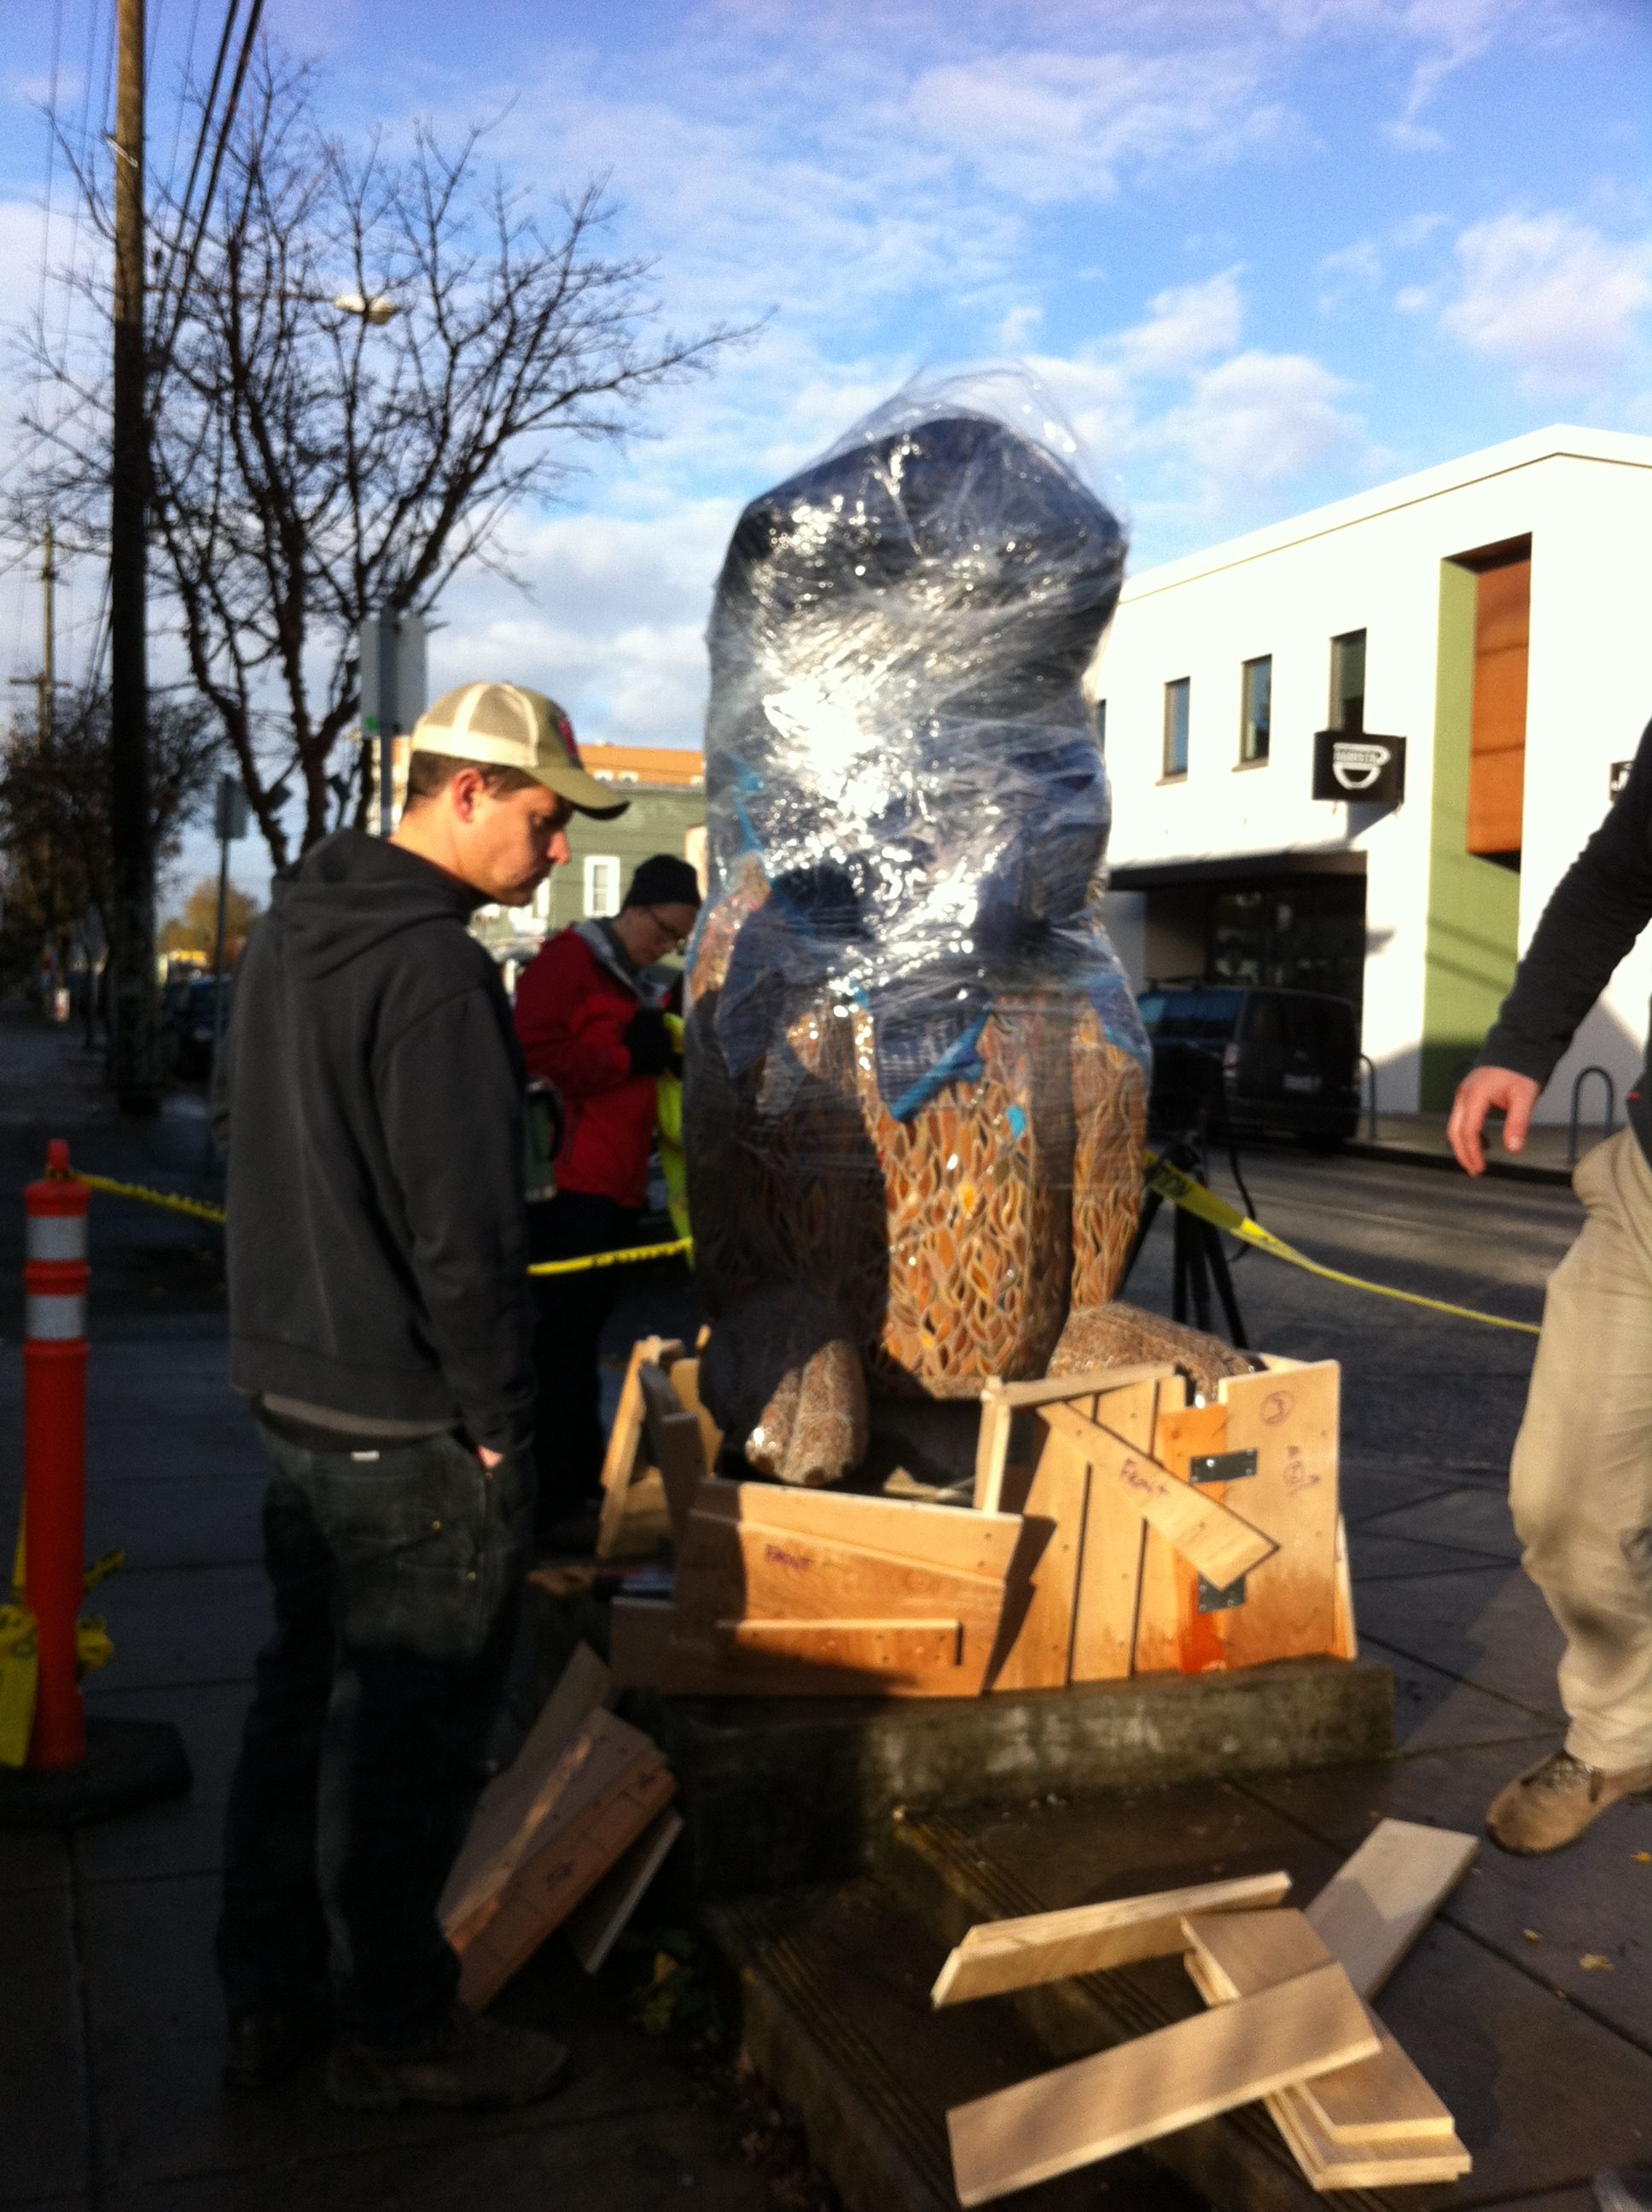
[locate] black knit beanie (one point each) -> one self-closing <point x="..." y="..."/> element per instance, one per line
<point x="664" y="880"/>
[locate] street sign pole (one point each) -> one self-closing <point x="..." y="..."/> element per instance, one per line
<point x="392" y="678"/>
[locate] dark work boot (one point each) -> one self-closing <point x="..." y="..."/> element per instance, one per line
<point x="475" y="2065"/>
<point x="262" y="2048"/>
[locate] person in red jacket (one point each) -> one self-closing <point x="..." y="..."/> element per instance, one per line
<point x="591" y="1021"/>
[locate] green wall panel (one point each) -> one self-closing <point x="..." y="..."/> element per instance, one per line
<point x="1473" y="905"/>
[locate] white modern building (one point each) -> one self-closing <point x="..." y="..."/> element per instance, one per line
<point x="1495" y="617"/>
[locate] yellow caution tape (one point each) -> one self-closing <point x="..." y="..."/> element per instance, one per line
<point x="1183" y="1190"/>
<point x="1186" y="1191"/>
<point x="197" y="1208"/>
<point x="613" y="1259"/>
<point x="20" y="1651"/>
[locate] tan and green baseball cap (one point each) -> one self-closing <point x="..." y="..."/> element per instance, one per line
<point x="507" y="726"/>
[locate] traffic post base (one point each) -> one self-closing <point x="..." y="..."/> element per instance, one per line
<point x="127" y="1764"/>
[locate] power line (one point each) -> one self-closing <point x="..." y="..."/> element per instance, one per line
<point x="163" y="356"/>
<point x="201" y="136"/>
<point x="183" y="96"/>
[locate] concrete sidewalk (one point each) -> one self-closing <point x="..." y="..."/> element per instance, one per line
<point x="110" y="2029"/>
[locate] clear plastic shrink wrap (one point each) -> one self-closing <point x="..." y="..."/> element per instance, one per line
<point x="915" y="1074"/>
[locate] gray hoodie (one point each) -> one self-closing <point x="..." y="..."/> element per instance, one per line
<point x="370" y="1097"/>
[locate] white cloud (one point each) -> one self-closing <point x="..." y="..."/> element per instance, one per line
<point x="1261" y="419"/>
<point x="1548" y="296"/>
<point x="1185" y="327"/>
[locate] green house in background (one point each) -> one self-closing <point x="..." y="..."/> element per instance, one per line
<point x="666" y="788"/>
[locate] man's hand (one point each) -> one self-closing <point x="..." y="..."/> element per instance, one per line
<point x="489" y="1459"/>
<point x="1480" y="1090"/>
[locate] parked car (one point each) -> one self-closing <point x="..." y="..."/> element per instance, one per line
<point x="1272" y="1062"/>
<point x="188" y="1010"/>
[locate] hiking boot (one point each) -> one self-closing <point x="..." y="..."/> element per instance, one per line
<point x="262" y="2048"/>
<point x="475" y="2065"/>
<point x="1552" y="1803"/>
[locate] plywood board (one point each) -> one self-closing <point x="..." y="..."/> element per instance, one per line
<point x="1329" y="2166"/>
<point x="877" y="1647"/>
<point x="930" y="1535"/>
<point x="628" y="1526"/>
<point x="547" y="1888"/>
<point x="1172" y="1632"/>
<point x="1155" y="2084"/>
<point x="1375" y="1906"/>
<point x="739" y="1569"/>
<point x="1345" y="1637"/>
<point x="675" y="1441"/>
<point x="596" y="1924"/>
<point x="1051" y="1501"/>
<point x="639" y="1634"/>
<point x="1218" y="1541"/>
<point x="515" y="1803"/>
<point x="1290" y="1422"/>
<point x="1110" y="1570"/>
<point x="1089" y="1939"/>
<point x="1381" y="2099"/>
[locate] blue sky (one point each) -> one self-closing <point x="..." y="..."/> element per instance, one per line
<point x="1264" y="251"/>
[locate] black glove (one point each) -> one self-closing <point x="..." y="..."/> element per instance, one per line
<point x="648" y="1043"/>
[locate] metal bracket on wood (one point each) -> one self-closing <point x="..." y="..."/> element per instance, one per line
<point x="1222" y="1466"/>
<point x="1213" y="1600"/>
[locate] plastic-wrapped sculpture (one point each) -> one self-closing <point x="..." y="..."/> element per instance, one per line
<point x="915" y="1074"/>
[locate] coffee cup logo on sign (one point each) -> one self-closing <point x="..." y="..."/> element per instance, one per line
<point x="1364" y="766"/>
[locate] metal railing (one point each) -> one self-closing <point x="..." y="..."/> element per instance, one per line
<point x="1581" y="1079"/>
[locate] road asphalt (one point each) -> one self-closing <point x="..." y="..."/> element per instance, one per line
<point x="109" y="2033"/>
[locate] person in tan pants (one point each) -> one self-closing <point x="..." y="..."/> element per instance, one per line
<point x="1581" y="1480"/>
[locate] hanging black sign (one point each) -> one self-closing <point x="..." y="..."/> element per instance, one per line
<point x="1359" y="764"/>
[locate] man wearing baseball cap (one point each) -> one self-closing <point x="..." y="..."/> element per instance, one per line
<point x="369" y="1096"/>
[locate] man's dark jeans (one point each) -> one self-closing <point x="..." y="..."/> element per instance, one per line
<point x="397" y="1576"/>
<point x="572" y="1311"/>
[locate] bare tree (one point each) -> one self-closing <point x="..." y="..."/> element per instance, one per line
<point x="308" y="467"/>
<point x="55" y="815"/>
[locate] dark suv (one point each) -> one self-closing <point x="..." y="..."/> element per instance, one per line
<point x="1274" y="1063"/>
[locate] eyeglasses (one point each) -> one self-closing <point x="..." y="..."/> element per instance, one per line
<point x="674" y="938"/>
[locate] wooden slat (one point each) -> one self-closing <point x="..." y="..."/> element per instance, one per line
<point x="1290" y="1422"/>
<point x="898" y="1529"/>
<point x="1381" y="2099"/>
<point x="1089" y="1939"/>
<point x="640" y="1631"/>
<point x="1220" y="1543"/>
<point x="675" y="1440"/>
<point x="1345" y="1635"/>
<point x="628" y="1526"/>
<point x="515" y="1803"/>
<point x="685" y="1381"/>
<point x="1051" y="1500"/>
<point x="596" y="1924"/>
<point x="1172" y="1632"/>
<point x="991" y="1446"/>
<point x="1109" y="1572"/>
<point x="879" y="1647"/>
<point x="1097" y="2107"/>
<point x="546" y="1890"/>
<point x="1376" y="1906"/>
<point x="1094" y="1381"/>
<point x="1329" y="2166"/>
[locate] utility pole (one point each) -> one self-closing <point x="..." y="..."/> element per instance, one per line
<point x="135" y="1056"/>
<point x="44" y="683"/>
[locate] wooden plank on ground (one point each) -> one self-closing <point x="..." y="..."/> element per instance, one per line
<point x="1089" y="1939"/>
<point x="630" y="1527"/>
<point x="515" y="1803"/>
<point x="1218" y="1541"/>
<point x="1109" y="1572"/>
<point x="596" y="1924"/>
<point x="546" y="1889"/>
<point x="675" y="1441"/>
<point x="899" y="1528"/>
<point x="877" y="1647"/>
<point x="1051" y="1501"/>
<point x="1289" y="1420"/>
<point x="1381" y="2099"/>
<point x="1375" y="1906"/>
<point x="1327" y="2166"/>
<point x="1098" y="2106"/>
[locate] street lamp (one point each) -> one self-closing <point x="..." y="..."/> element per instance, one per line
<point x="379" y="309"/>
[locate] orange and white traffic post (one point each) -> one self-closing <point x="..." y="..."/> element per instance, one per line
<point x="56" y="1277"/>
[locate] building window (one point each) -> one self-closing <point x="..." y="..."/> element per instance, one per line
<point x="1257" y="713"/>
<point x="601" y="883"/>
<point x="1348" y="683"/>
<point x="1175" y="727"/>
